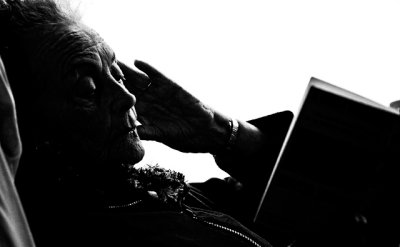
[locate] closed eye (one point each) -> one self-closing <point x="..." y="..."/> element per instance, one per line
<point x="85" y="87"/>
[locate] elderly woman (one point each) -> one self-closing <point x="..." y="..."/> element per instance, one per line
<point x="79" y="110"/>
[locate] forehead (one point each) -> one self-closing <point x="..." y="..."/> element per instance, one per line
<point x="71" y="46"/>
<point x="85" y="46"/>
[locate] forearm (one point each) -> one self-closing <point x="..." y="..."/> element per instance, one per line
<point x="252" y="157"/>
<point x="251" y="160"/>
<point x="241" y="159"/>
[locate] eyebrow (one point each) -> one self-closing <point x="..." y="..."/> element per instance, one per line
<point x="90" y="63"/>
<point x="105" y="55"/>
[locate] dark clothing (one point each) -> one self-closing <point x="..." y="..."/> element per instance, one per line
<point x="199" y="223"/>
<point x="14" y="230"/>
<point x="197" y="227"/>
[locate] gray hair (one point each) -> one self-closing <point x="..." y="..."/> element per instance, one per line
<point x="24" y="24"/>
<point x="30" y="19"/>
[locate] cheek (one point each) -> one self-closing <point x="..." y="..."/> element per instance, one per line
<point x="87" y="122"/>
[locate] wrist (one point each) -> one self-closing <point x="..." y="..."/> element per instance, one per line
<point x="222" y="133"/>
<point x="248" y="145"/>
<point x="241" y="138"/>
<point x="234" y="129"/>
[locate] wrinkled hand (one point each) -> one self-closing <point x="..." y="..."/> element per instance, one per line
<point x="171" y="115"/>
<point x="9" y="135"/>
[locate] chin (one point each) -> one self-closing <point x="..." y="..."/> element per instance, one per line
<point x="127" y="151"/>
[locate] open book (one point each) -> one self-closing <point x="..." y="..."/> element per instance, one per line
<point x="337" y="174"/>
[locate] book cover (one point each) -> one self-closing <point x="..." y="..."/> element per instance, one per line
<point x="336" y="175"/>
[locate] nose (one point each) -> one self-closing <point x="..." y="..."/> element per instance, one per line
<point x="122" y="100"/>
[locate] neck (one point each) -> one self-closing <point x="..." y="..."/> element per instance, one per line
<point x="114" y="186"/>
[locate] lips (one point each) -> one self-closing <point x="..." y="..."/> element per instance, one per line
<point x="126" y="127"/>
<point x="130" y="122"/>
<point x="133" y="133"/>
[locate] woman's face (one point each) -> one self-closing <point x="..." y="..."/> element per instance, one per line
<point x="85" y="101"/>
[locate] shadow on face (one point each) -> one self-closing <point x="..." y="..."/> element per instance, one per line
<point x="84" y="103"/>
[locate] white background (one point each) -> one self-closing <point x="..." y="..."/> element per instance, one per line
<point x="248" y="58"/>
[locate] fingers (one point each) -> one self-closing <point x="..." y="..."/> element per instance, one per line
<point x="149" y="70"/>
<point x="159" y="80"/>
<point x="9" y="134"/>
<point x="134" y="80"/>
